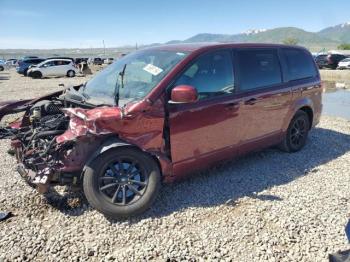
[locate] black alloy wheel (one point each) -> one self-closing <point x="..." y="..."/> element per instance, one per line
<point x="296" y="135"/>
<point x="121" y="182"/>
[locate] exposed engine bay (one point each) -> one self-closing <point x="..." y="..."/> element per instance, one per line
<point x="35" y="143"/>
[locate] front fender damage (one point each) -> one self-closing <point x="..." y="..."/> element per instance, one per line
<point x="57" y="156"/>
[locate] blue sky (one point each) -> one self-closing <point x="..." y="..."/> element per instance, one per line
<point x="84" y="24"/>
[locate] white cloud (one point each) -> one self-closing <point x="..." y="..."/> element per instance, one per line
<point x="19" y="13"/>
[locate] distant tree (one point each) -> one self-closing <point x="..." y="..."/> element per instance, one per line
<point x="290" y="41"/>
<point x="344" y="47"/>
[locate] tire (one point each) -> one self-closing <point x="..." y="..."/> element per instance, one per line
<point x="70" y="73"/>
<point x="25" y="72"/>
<point x="297" y="132"/>
<point x="108" y="191"/>
<point x="36" y="75"/>
<point x="2" y="68"/>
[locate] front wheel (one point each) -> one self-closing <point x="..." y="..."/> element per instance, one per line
<point x="121" y="182"/>
<point x="36" y="75"/>
<point x="296" y="135"/>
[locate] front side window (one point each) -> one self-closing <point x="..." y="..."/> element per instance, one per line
<point x="47" y="64"/>
<point x="299" y="64"/>
<point x="258" y="68"/>
<point x="133" y="76"/>
<point x="211" y="74"/>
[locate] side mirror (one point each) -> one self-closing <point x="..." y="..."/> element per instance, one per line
<point x="183" y="94"/>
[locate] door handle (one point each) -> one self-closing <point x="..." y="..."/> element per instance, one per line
<point x="251" y="101"/>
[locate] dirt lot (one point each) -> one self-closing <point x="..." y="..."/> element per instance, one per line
<point x="268" y="206"/>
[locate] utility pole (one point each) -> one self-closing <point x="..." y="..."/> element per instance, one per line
<point x="104" y="48"/>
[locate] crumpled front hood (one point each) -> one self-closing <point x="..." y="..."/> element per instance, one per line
<point x="15" y="106"/>
<point x="97" y="121"/>
<point x="12" y="106"/>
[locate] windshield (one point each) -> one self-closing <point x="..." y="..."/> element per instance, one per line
<point x="143" y="71"/>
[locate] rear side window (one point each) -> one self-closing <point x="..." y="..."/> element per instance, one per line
<point x="61" y="62"/>
<point x="299" y="64"/>
<point x="258" y="68"/>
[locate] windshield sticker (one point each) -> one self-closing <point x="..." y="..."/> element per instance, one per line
<point x="152" y="69"/>
<point x="180" y="54"/>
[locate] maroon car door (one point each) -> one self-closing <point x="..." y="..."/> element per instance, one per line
<point x="208" y="130"/>
<point x="266" y="98"/>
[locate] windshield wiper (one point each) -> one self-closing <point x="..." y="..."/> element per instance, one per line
<point x="116" y="91"/>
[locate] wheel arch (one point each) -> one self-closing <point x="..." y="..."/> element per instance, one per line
<point x="305" y="104"/>
<point x="162" y="162"/>
<point x="308" y="110"/>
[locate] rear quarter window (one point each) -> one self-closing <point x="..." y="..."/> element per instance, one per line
<point x="299" y="64"/>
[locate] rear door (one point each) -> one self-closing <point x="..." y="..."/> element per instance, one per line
<point x="266" y="97"/>
<point x="208" y="130"/>
<point x="60" y="68"/>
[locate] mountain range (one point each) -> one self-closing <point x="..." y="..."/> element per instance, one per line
<point x="328" y="38"/>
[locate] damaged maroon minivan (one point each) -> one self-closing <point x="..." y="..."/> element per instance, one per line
<point x="159" y="114"/>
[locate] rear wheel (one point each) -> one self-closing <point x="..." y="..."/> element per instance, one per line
<point x="70" y="73"/>
<point x="296" y="135"/>
<point x="36" y="74"/>
<point x="121" y="182"/>
<point x="2" y="68"/>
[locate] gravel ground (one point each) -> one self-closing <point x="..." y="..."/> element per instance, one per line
<point x="267" y="206"/>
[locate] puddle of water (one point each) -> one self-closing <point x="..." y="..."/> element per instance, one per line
<point x="336" y="99"/>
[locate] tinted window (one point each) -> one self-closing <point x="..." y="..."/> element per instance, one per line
<point x="211" y="74"/>
<point x="258" y="68"/>
<point x="299" y="64"/>
<point x="321" y="58"/>
<point x="61" y="62"/>
<point x="36" y="61"/>
<point x="48" y="64"/>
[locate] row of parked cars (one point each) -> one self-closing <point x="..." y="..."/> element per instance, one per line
<point x="333" y="61"/>
<point x="37" y="67"/>
<point x="43" y="67"/>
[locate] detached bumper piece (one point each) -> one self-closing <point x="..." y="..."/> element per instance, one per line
<point x="42" y="181"/>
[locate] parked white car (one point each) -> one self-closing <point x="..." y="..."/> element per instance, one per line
<point x="3" y="65"/>
<point x="344" y="64"/>
<point x="11" y="62"/>
<point x="54" y="67"/>
<point x="108" y="60"/>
